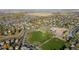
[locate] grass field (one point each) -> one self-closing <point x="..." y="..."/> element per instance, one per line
<point x="39" y="36"/>
<point x="54" y="43"/>
<point x="47" y="38"/>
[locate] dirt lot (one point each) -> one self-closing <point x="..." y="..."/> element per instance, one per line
<point x="58" y="31"/>
<point x="39" y="14"/>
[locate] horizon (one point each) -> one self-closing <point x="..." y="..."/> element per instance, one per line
<point x="37" y="10"/>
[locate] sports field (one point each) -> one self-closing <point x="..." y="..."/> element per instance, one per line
<point x="46" y="40"/>
<point x="53" y="44"/>
<point x="39" y="36"/>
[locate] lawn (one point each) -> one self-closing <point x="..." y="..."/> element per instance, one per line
<point x="53" y="44"/>
<point x="39" y="36"/>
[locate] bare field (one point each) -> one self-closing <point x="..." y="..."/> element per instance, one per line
<point x="39" y="14"/>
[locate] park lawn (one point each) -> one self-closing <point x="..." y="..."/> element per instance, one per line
<point x="53" y="44"/>
<point x="39" y="36"/>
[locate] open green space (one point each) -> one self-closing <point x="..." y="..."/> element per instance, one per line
<point x="39" y="36"/>
<point x="53" y="44"/>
